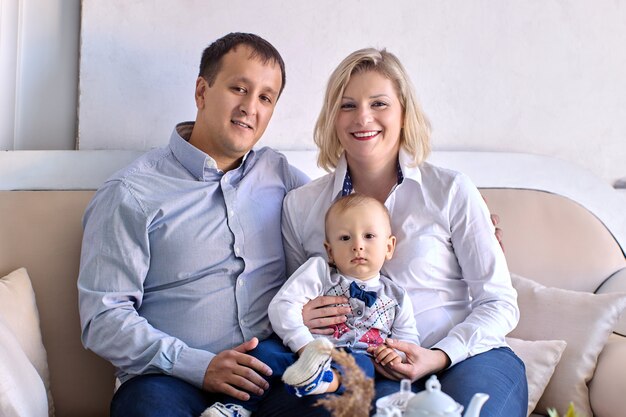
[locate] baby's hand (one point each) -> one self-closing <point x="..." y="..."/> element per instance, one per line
<point x="385" y="356"/>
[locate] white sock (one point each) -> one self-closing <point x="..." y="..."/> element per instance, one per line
<point x="226" y="410"/>
<point x="311" y="373"/>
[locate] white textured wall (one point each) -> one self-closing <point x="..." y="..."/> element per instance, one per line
<point x="38" y="73"/>
<point x="9" y="12"/>
<point x="545" y="77"/>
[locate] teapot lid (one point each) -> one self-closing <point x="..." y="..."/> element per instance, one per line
<point x="433" y="400"/>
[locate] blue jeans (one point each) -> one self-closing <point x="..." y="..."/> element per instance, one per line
<point x="498" y="372"/>
<point x="158" y="395"/>
<point x="277" y="356"/>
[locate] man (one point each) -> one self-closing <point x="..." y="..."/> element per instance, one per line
<point x="182" y="250"/>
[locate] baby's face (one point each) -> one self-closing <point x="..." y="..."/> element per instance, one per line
<point x="358" y="240"/>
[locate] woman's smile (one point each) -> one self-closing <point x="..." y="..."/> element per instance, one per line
<point x="366" y="135"/>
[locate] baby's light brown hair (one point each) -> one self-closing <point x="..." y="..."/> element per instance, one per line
<point x="353" y="200"/>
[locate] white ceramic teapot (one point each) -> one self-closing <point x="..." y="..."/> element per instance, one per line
<point x="433" y="403"/>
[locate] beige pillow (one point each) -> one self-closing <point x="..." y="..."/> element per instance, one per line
<point x="22" y="393"/>
<point x="19" y="311"/>
<point x="607" y="386"/>
<point x="540" y="358"/>
<point x="583" y="320"/>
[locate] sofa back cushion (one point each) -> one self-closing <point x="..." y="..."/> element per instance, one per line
<point x="42" y="231"/>
<point x="553" y="240"/>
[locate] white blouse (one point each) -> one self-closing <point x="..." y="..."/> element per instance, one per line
<point x="447" y="257"/>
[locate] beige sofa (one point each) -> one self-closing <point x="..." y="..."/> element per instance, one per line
<point x="548" y="237"/>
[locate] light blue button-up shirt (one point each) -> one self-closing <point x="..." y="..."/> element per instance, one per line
<point x="180" y="260"/>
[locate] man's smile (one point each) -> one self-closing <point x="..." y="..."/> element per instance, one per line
<point x="240" y="123"/>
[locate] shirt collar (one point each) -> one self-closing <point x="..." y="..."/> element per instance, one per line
<point x="340" y="174"/>
<point x="408" y="170"/>
<point x="343" y="181"/>
<point x="364" y="284"/>
<point x="192" y="158"/>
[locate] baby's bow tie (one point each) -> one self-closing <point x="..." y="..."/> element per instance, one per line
<point x="368" y="297"/>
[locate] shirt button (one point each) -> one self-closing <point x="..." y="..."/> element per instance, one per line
<point x="359" y="312"/>
<point x="237" y="250"/>
<point x="242" y="322"/>
<point x="240" y="282"/>
<point x="231" y="213"/>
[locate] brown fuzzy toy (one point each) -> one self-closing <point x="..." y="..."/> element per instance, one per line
<point x="359" y="390"/>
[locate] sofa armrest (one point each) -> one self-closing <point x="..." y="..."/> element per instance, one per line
<point x="606" y="388"/>
<point x="616" y="283"/>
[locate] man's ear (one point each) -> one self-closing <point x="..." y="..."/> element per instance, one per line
<point x="391" y="247"/>
<point x="201" y="86"/>
<point x="329" y="252"/>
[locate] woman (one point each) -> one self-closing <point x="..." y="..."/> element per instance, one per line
<point x="374" y="139"/>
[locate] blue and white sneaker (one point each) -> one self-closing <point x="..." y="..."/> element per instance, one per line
<point x="311" y="373"/>
<point x="226" y="410"/>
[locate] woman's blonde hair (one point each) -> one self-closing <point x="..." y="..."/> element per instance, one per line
<point x="415" y="133"/>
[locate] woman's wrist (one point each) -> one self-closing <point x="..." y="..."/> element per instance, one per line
<point x="443" y="359"/>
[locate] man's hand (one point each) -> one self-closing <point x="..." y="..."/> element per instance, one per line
<point x="324" y="311"/>
<point x="419" y="361"/>
<point x="233" y="372"/>
<point x="495" y="219"/>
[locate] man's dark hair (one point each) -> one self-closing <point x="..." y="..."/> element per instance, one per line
<point x="211" y="61"/>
